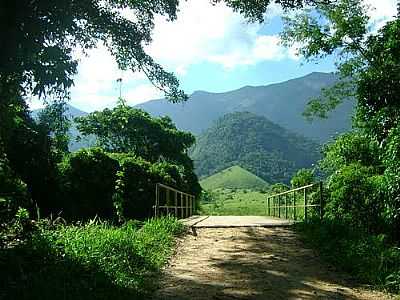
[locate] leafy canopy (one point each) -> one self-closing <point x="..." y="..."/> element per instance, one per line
<point x="369" y="64"/>
<point x="128" y="130"/>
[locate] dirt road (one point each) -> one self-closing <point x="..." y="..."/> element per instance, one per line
<point x="252" y="263"/>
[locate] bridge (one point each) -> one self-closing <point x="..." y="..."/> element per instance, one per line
<point x="281" y="209"/>
<point x="249" y="257"/>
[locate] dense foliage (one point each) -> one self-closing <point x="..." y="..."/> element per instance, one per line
<point x="363" y="165"/>
<point x="256" y="144"/>
<point x="302" y="177"/>
<point x="362" y="219"/>
<point x="124" y="129"/>
<point x="115" y="186"/>
<point x="91" y="261"/>
<point x="370" y="258"/>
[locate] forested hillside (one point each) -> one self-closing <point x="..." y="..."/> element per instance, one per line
<point x="254" y="143"/>
<point x="282" y="103"/>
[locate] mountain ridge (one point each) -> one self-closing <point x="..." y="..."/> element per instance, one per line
<point x="254" y="143"/>
<point x="282" y="103"/>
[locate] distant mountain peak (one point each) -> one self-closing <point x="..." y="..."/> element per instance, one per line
<point x="255" y="143"/>
<point x="283" y="103"/>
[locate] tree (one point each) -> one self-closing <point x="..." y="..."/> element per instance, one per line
<point x="302" y="177"/>
<point x="41" y="36"/>
<point x="36" y="59"/>
<point x="125" y="129"/>
<point x="54" y="118"/>
<point x="369" y="66"/>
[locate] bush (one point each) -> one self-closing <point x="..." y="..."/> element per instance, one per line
<point x="116" y="186"/>
<point x="278" y="188"/>
<point x="302" y="177"/>
<point x="391" y="159"/>
<point x="356" y="196"/>
<point x="136" y="184"/>
<point x="93" y="261"/>
<point x="13" y="191"/>
<point x="373" y="259"/>
<point x="87" y="184"/>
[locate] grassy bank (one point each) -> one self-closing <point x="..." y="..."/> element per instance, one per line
<point x="239" y="202"/>
<point x="372" y="259"/>
<point x="92" y="261"/>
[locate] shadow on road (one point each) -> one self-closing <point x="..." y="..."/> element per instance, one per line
<point x="250" y="263"/>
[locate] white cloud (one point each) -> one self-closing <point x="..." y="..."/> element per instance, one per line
<point x="34" y="103"/>
<point x="207" y="33"/>
<point x="142" y="93"/>
<point x="202" y="33"/>
<point x="381" y="10"/>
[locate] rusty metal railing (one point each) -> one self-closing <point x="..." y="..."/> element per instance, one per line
<point x="170" y="201"/>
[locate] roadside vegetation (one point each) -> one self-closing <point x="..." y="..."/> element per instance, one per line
<point x="77" y="257"/>
<point x="93" y="260"/>
<point x="360" y="231"/>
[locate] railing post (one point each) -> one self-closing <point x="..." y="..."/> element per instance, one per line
<point x="190" y="205"/>
<point x="185" y="206"/>
<point x="181" y="204"/>
<point x="167" y="194"/>
<point x="156" y="203"/>
<point x="286" y="206"/>
<point x="294" y="205"/>
<point x="176" y="203"/>
<point x="321" y="200"/>
<point x="279" y="206"/>
<point x="305" y="205"/>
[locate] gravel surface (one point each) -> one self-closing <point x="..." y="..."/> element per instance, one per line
<point x="252" y="263"/>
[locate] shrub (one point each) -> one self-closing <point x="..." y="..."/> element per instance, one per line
<point x="116" y="186"/>
<point x="13" y="191"/>
<point x="391" y="160"/>
<point x="372" y="258"/>
<point x="356" y="196"/>
<point x="87" y="184"/>
<point x="302" y="177"/>
<point x="92" y="261"/>
<point x="137" y="180"/>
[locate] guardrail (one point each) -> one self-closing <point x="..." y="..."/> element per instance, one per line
<point x="297" y="203"/>
<point x="170" y="201"/>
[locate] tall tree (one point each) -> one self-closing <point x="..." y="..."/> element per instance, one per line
<point x="369" y="64"/>
<point x="129" y="130"/>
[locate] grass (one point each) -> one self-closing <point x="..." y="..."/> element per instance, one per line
<point x="91" y="261"/>
<point x="372" y="259"/>
<point x="243" y="202"/>
<point x="233" y="178"/>
<point x="234" y="202"/>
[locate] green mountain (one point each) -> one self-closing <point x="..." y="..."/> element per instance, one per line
<point x="254" y="143"/>
<point x="231" y="178"/>
<point x="282" y="103"/>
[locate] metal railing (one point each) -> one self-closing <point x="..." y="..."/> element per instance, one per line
<point x="170" y="201"/>
<point x="297" y="203"/>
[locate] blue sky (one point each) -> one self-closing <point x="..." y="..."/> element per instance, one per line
<point x="209" y="48"/>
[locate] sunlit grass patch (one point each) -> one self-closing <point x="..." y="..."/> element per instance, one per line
<point x="91" y="261"/>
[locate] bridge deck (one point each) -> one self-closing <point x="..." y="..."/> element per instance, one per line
<point x="235" y="221"/>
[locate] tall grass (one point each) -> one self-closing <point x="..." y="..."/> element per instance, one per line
<point x="372" y="259"/>
<point x="91" y="261"/>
